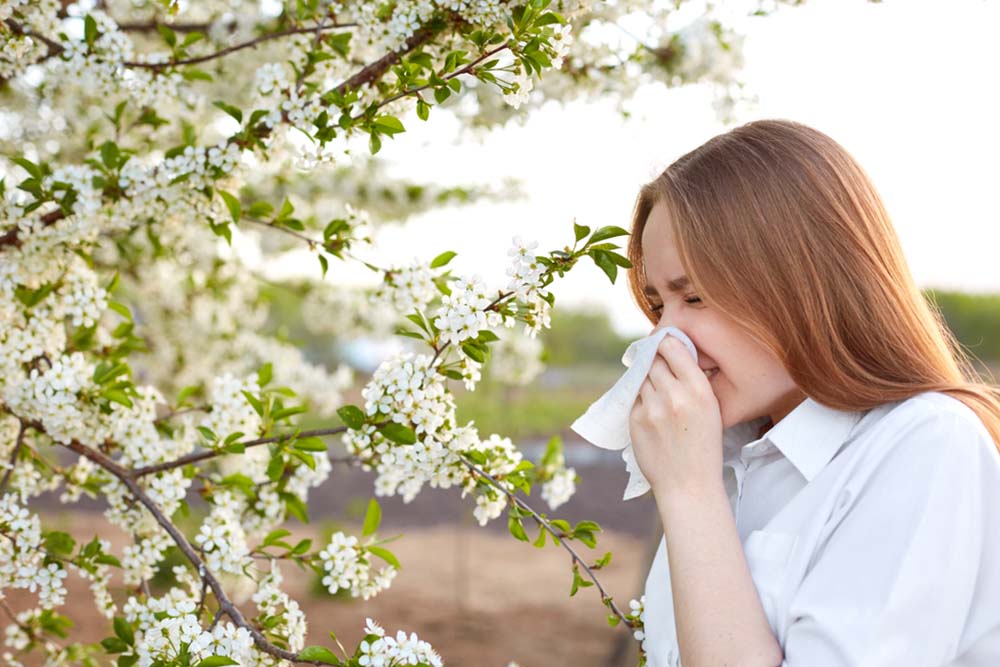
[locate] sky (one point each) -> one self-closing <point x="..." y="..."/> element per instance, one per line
<point x="907" y="86"/>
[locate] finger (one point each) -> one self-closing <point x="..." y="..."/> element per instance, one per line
<point x="679" y="359"/>
<point x="660" y="375"/>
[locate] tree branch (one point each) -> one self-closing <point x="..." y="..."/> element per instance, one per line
<point x="126" y="477"/>
<point x="156" y="67"/>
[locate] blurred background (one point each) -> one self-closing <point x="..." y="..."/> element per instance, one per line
<point x="903" y="85"/>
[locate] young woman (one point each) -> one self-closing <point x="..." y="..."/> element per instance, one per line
<point x="855" y="522"/>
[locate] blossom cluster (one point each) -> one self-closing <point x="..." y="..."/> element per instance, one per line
<point x="275" y="603"/>
<point x="381" y="650"/>
<point x="557" y="490"/>
<point x="22" y="559"/>
<point x="637" y="615"/>
<point x="347" y="567"/>
<point x="221" y="538"/>
<point x="178" y="629"/>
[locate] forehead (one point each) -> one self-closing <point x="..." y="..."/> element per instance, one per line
<point x="661" y="262"/>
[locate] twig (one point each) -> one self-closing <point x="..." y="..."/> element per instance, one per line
<point x="463" y="70"/>
<point x="212" y="453"/>
<point x="556" y="534"/>
<point x="170" y="415"/>
<point x="235" y="47"/>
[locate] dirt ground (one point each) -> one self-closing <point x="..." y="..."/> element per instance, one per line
<point x="479" y="596"/>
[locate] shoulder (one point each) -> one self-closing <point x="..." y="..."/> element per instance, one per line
<point x="930" y="431"/>
<point x="939" y="412"/>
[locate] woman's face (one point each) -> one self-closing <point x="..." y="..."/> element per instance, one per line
<point x="750" y="382"/>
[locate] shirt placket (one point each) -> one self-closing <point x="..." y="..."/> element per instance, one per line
<point x="736" y="470"/>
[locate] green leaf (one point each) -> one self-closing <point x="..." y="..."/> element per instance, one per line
<point x="168" y="35"/>
<point x="107" y="559"/>
<point x="217" y="661"/>
<point x="286" y="210"/>
<point x="118" y="396"/>
<point x="89" y="29"/>
<point x="33" y="169"/>
<point x="352" y="416"/>
<point x="602" y="260"/>
<point x="124" y="630"/>
<point x="260" y="209"/>
<point x="114" y="645"/>
<point x="109" y="154"/>
<point x="373" y="516"/>
<point x="30" y="297"/>
<point x="516" y="528"/>
<point x="311" y="444"/>
<point x="275" y="467"/>
<point x="389" y="125"/>
<point x="318" y="654"/>
<point x="208" y="433"/>
<point x="606" y="233"/>
<point x="423" y="109"/>
<point x="232" y="203"/>
<point x="191" y="38"/>
<point x="121" y="309"/>
<point x="253" y="401"/>
<point x="399" y="433"/>
<point x="59" y="543"/>
<point x="340" y="42"/>
<point x="230" y="109"/>
<point x="588" y="525"/>
<point x="275" y="535"/>
<point x="301" y="547"/>
<point x="295" y="506"/>
<point x="473" y="352"/>
<point x="580" y="230"/>
<point x="265" y="373"/>
<point x="442" y="259"/>
<point x="540" y="540"/>
<point x="385" y="555"/>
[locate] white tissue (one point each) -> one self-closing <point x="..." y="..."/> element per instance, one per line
<point x="605" y="423"/>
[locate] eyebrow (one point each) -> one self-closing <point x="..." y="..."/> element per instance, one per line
<point x="675" y="285"/>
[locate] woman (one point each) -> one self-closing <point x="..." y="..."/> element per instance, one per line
<point x="855" y="519"/>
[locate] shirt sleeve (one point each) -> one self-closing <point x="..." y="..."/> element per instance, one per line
<point x="895" y="580"/>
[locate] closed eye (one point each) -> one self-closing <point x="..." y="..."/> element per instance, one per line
<point x="692" y="300"/>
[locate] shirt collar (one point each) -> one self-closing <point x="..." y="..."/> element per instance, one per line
<point x="808" y="436"/>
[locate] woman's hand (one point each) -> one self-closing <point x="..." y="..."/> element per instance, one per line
<point x="675" y="424"/>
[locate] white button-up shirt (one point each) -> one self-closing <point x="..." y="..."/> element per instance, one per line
<point x="873" y="537"/>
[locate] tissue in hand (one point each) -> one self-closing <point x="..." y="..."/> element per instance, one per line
<point x="605" y="423"/>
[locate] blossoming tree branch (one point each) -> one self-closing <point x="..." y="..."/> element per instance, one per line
<point x="143" y="146"/>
